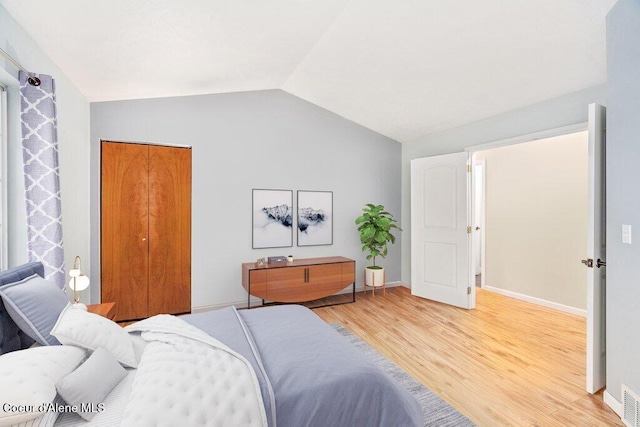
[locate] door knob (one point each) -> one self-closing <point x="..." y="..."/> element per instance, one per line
<point x="588" y="262"/>
<point x="477" y="228"/>
<point x="144" y="239"/>
<point x="600" y="263"/>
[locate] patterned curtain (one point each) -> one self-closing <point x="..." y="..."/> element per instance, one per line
<point x="41" y="177"/>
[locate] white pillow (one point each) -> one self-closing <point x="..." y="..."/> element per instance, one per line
<point x="29" y="377"/>
<point x="87" y="386"/>
<point x="88" y="330"/>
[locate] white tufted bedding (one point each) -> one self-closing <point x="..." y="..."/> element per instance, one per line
<point x="186" y="377"/>
<point x="301" y="369"/>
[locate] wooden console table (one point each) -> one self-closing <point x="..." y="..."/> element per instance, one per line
<point x="302" y="280"/>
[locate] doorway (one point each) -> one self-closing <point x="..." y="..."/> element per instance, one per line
<point x="595" y="247"/>
<point x="535" y="220"/>
<point x="436" y="193"/>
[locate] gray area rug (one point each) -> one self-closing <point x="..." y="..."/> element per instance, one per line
<point x="436" y="411"/>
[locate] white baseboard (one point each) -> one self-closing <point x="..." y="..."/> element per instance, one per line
<point x="613" y="403"/>
<point x="538" y="301"/>
<point x="236" y="304"/>
<point x="394" y="284"/>
<point x="256" y="301"/>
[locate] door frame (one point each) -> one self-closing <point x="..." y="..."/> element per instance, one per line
<point x="550" y="133"/>
<point x="483" y="218"/>
<point x="471" y="150"/>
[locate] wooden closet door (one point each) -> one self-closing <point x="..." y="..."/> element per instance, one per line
<point x="125" y="219"/>
<point x="169" y="230"/>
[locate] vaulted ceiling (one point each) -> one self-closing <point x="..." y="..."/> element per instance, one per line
<point x="404" y="68"/>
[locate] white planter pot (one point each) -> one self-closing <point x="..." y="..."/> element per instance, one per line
<point x="374" y="277"/>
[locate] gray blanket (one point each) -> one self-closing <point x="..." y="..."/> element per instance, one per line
<point x="309" y="374"/>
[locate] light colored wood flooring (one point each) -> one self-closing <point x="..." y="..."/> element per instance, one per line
<point x="507" y="363"/>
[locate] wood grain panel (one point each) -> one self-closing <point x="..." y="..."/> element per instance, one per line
<point x="258" y="279"/>
<point x="506" y="363"/>
<point x="169" y="230"/>
<point x="348" y="273"/>
<point x="286" y="284"/>
<point x="324" y="280"/>
<point x="124" y="228"/>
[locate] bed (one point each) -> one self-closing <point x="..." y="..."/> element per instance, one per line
<point x="271" y="366"/>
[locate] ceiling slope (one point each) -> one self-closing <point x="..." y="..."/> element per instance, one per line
<point x="402" y="68"/>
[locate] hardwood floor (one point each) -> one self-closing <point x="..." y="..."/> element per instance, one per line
<point x="508" y="362"/>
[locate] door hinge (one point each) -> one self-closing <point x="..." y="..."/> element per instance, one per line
<point x="469" y="168"/>
<point x="469" y="290"/>
<point x="469" y="230"/>
<point x="588" y="262"/>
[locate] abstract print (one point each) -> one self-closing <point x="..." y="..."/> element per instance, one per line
<point x="272" y="218"/>
<point x="315" y="218"/>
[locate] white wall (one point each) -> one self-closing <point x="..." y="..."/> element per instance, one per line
<point x="536" y="218"/>
<point x="73" y="139"/>
<point x="623" y="196"/>
<point x="241" y="141"/>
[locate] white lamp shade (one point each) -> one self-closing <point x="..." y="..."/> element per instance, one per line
<point x="81" y="283"/>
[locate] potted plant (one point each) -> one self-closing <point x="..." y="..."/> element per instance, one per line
<point x="375" y="226"/>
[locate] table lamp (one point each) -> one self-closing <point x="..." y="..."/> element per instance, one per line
<point x="79" y="282"/>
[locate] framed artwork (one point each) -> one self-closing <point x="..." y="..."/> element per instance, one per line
<point x="272" y="218"/>
<point x="315" y="218"/>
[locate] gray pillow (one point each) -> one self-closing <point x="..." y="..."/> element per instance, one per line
<point x="87" y="386"/>
<point x="34" y="304"/>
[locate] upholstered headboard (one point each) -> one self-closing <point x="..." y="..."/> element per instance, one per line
<point x="12" y="338"/>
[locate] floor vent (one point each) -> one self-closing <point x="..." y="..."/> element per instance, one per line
<point x="630" y="408"/>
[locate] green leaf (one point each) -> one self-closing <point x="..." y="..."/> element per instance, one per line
<point x="383" y="221"/>
<point x="374" y="226"/>
<point x="368" y="231"/>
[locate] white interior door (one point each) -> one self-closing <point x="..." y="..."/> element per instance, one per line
<point x="596" y="251"/>
<point x="440" y="267"/>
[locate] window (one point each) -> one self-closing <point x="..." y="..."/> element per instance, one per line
<point x="3" y="178"/>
